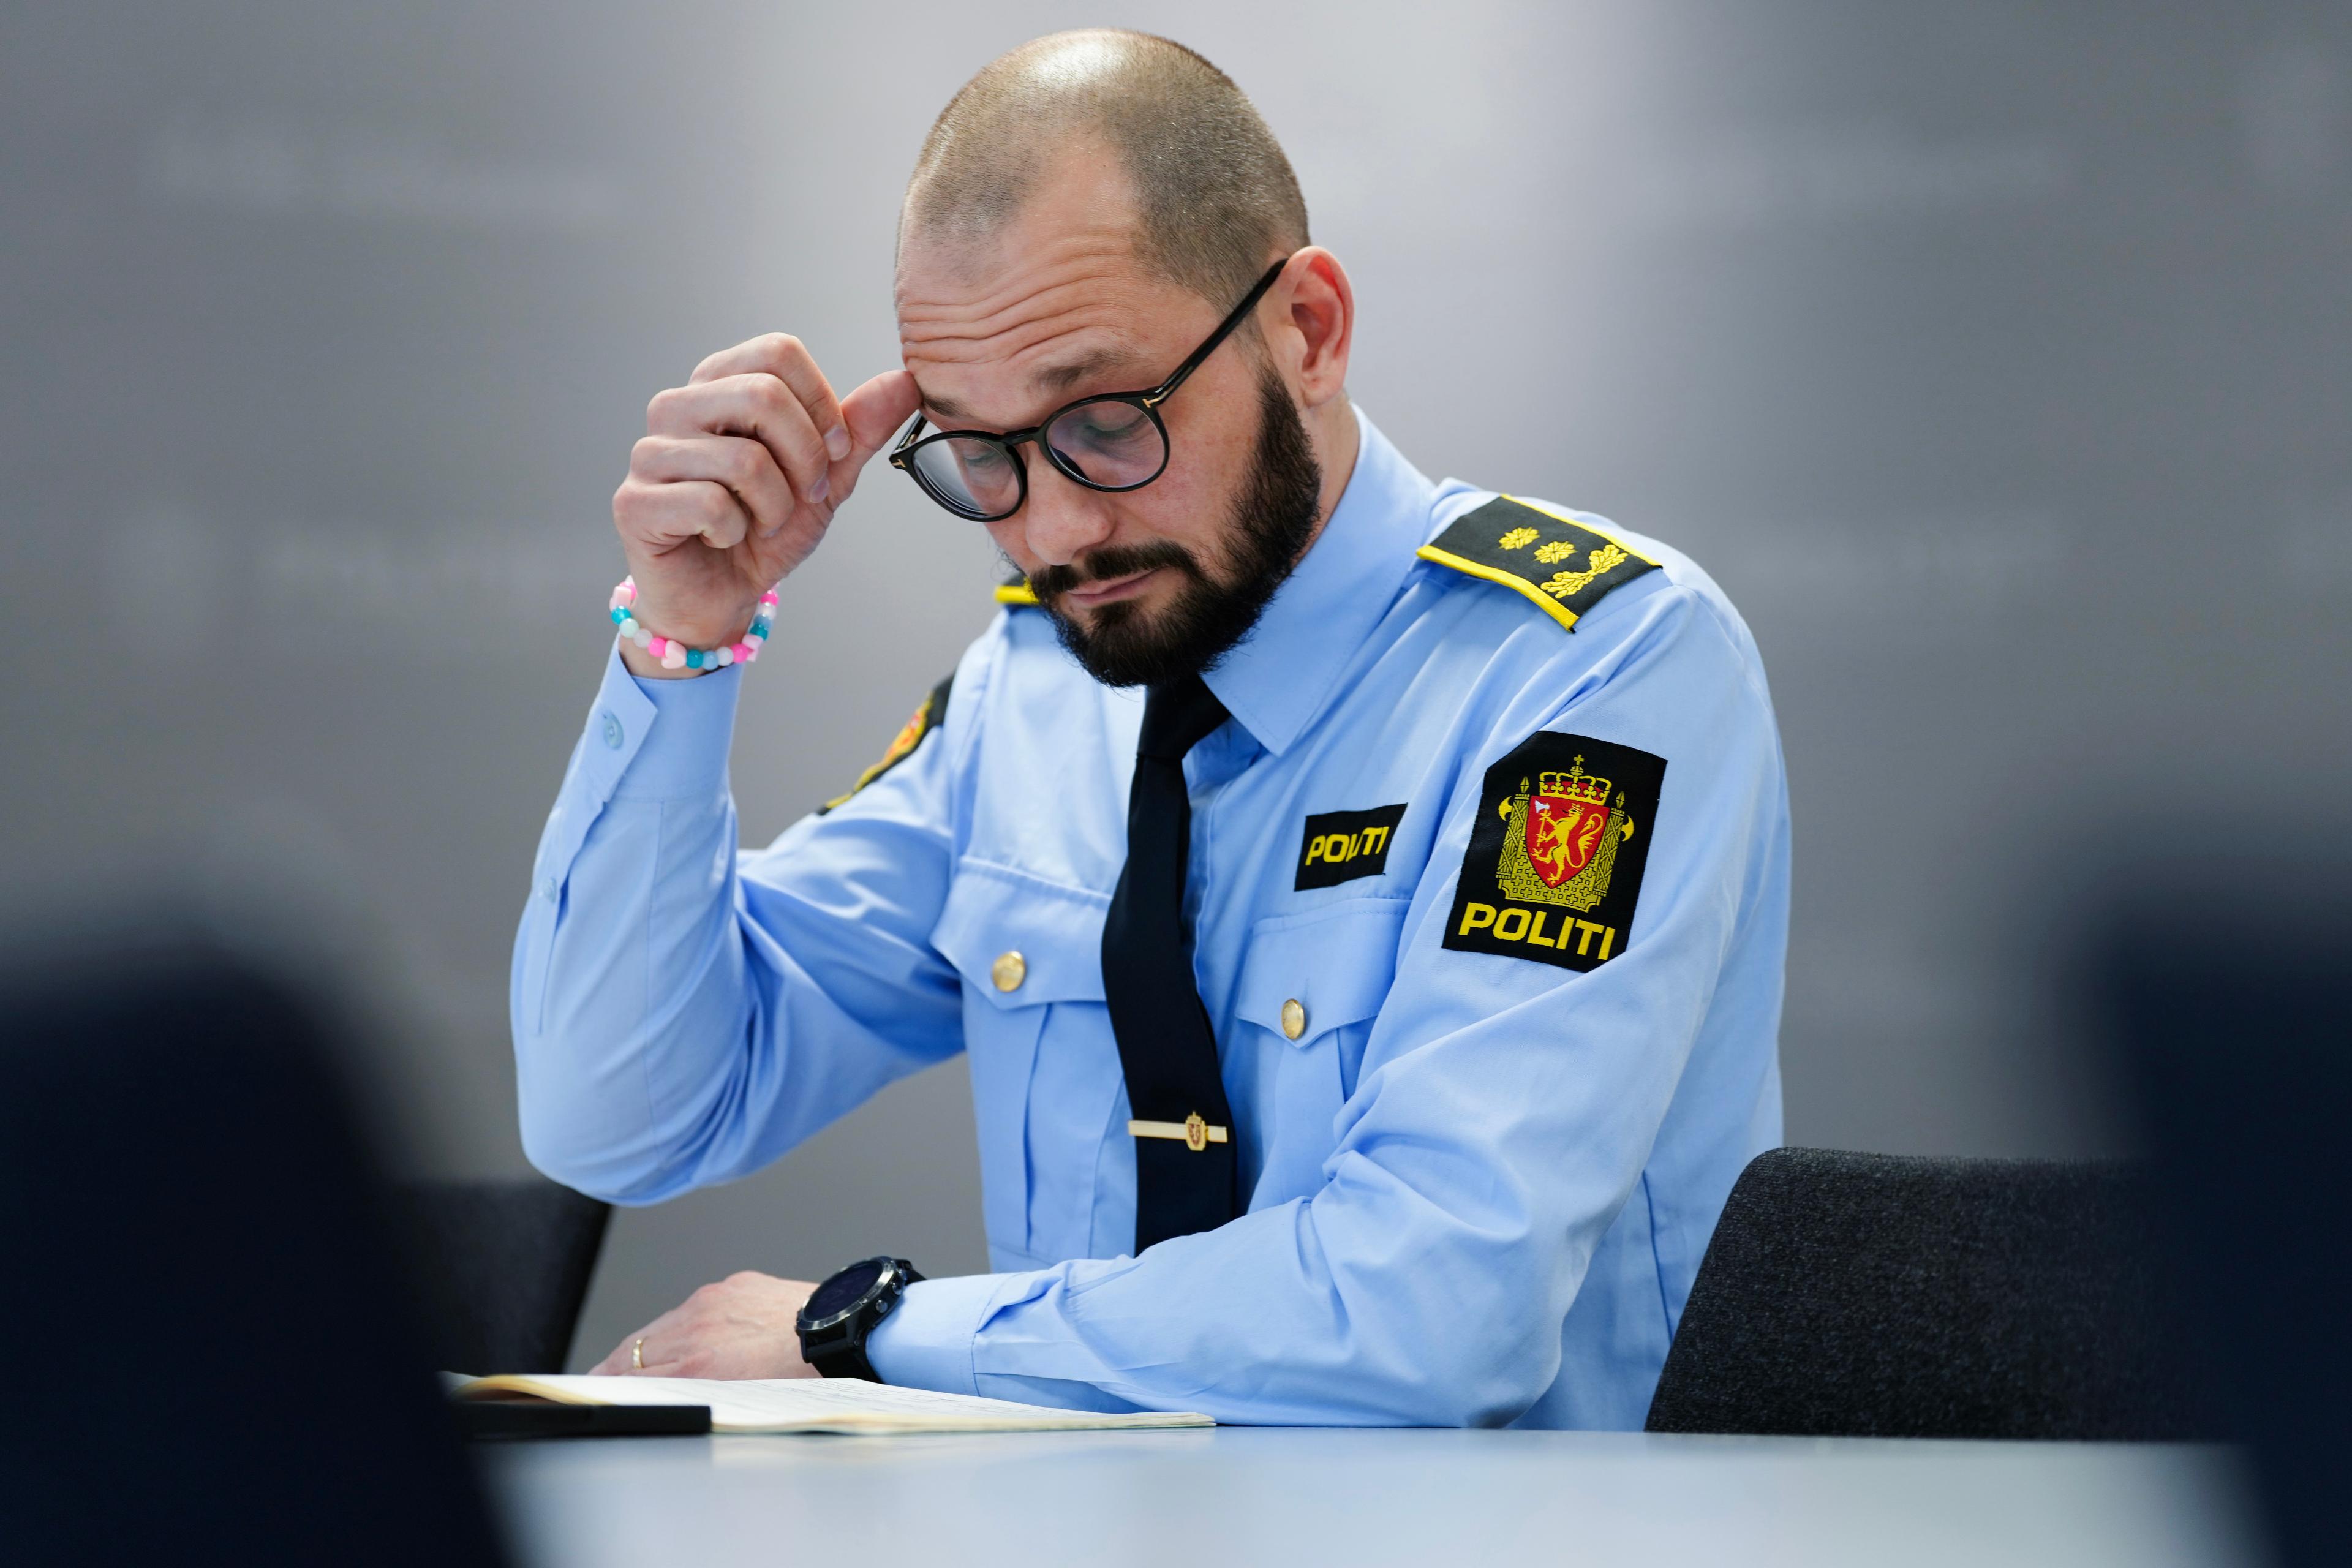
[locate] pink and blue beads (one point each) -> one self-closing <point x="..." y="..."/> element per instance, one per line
<point x="675" y="655"/>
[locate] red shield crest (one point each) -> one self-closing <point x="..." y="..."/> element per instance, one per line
<point x="1562" y="836"/>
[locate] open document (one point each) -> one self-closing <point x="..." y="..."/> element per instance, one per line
<point x="812" y="1405"/>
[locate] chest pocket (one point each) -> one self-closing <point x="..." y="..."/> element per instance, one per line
<point x="1314" y="982"/>
<point x="1045" y="1077"/>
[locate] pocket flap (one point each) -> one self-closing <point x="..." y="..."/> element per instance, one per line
<point x="1000" y="925"/>
<point x="1337" y="964"/>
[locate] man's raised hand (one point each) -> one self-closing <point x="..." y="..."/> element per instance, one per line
<point x="738" y="476"/>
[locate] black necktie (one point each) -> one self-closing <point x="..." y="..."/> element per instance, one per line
<point x="1183" y="1130"/>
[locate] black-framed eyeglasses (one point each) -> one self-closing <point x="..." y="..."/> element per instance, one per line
<point x="1115" y="441"/>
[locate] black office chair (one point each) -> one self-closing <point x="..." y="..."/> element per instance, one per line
<point x="211" y="1355"/>
<point x="1873" y="1295"/>
<point x="503" y="1266"/>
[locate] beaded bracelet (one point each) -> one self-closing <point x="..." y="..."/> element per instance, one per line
<point x="675" y="655"/>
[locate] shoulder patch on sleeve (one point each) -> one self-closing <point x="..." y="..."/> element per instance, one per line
<point x="1563" y="565"/>
<point x="1015" y="591"/>
<point x="926" y="718"/>
<point x="1557" y="852"/>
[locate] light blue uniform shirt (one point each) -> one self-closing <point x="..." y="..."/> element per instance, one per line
<point x="1479" y="1185"/>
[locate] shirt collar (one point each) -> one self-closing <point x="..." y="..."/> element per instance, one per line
<point x="1276" y="679"/>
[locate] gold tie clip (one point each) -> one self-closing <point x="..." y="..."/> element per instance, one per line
<point x="1195" y="1133"/>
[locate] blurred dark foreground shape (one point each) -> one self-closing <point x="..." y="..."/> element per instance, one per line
<point x="1883" y="1296"/>
<point x="2233" y="1037"/>
<point x="211" y="1352"/>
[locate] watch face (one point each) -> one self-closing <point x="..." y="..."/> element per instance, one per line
<point x="843" y="1291"/>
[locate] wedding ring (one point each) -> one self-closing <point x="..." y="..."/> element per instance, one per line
<point x="637" y="1353"/>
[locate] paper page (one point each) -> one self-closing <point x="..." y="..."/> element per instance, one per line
<point x="817" y="1404"/>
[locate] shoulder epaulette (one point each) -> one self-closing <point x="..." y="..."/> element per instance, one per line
<point x="1015" y="591"/>
<point x="1565" y="566"/>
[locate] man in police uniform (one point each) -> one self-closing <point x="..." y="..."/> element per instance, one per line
<point x="1362" y="900"/>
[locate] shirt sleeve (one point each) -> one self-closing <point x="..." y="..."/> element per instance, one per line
<point x="683" y="1012"/>
<point x="1504" y="1113"/>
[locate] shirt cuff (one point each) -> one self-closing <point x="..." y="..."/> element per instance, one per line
<point x="697" y="720"/>
<point x="926" y="1341"/>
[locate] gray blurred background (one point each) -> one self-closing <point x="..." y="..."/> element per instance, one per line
<point x="1994" y="358"/>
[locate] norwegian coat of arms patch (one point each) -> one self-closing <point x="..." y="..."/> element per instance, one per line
<point x="1557" y="852"/>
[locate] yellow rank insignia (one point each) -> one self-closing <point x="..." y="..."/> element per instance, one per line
<point x="1557" y="852"/>
<point x="1563" y="565"/>
<point x="925" y="718"/>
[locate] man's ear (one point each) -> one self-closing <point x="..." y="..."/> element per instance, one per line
<point x="1320" y="306"/>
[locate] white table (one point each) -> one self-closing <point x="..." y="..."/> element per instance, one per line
<point x="1291" y="1498"/>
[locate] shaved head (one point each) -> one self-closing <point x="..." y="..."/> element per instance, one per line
<point x="1214" y="197"/>
<point x="1082" y="214"/>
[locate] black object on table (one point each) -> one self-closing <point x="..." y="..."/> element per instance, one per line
<point x="540" y="1418"/>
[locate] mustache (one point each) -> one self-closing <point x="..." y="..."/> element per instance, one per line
<point x="1114" y="561"/>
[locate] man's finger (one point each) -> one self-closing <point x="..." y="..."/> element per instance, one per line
<point x="787" y="359"/>
<point x="756" y="405"/>
<point x="663" y="516"/>
<point x="751" y="355"/>
<point x="622" y="1361"/>
<point x="873" y="414"/>
<point x="745" y="467"/>
<point x="656" y="1364"/>
<point x="797" y="370"/>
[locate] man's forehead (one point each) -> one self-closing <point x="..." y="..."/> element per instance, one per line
<point x="1053" y="372"/>
<point x="1035" y="322"/>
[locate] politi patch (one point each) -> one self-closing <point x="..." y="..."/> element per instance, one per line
<point x="1557" y="852"/>
<point x="1341" y="846"/>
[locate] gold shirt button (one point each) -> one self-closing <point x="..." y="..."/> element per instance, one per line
<point x="1294" y="1019"/>
<point x="1009" y="971"/>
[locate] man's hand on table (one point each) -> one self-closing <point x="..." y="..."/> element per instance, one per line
<point x="739" y="474"/>
<point x="742" y="1326"/>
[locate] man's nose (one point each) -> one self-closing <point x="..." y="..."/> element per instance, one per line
<point x="1061" y="520"/>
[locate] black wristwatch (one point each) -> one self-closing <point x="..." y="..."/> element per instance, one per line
<point x="839" y="1314"/>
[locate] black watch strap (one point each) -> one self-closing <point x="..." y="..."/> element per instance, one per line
<point x="838" y="1350"/>
<point x="845" y="1358"/>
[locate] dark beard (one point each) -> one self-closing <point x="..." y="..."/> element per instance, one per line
<point x="1267" y="532"/>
